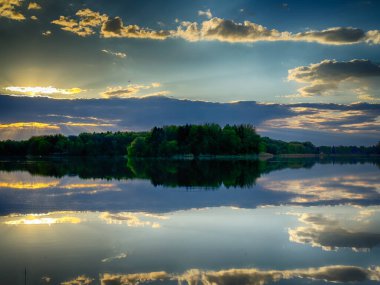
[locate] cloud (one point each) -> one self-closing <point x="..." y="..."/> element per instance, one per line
<point x="90" y="18"/>
<point x="80" y="280"/>
<point x="21" y="185"/>
<point x="319" y="123"/>
<point x="218" y="29"/>
<point x="46" y="33"/>
<point x="328" y="234"/>
<point x="114" y="28"/>
<point x="206" y="13"/>
<point x="327" y="76"/>
<point x="27" y="125"/>
<point x="249" y="276"/>
<point x="132" y="219"/>
<point x="333" y="36"/>
<point x="71" y="25"/>
<point x="117" y="54"/>
<point x="8" y="9"/>
<point x="226" y="31"/>
<point x="119" y="256"/>
<point x="82" y="124"/>
<point x="348" y="120"/>
<point x="137" y="278"/>
<point x="84" y="25"/>
<point x="128" y="91"/>
<point x="34" y="6"/>
<point x="42" y="219"/>
<point x="49" y="91"/>
<point x="373" y="37"/>
<point x="349" y="188"/>
<point x="213" y="29"/>
<point x="46" y="279"/>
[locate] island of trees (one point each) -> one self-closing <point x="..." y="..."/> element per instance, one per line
<point x="173" y="141"/>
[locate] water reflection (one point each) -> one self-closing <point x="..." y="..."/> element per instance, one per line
<point x="251" y="276"/>
<point x="164" y="185"/>
<point x="190" y="222"/>
<point x="332" y="233"/>
<point x="199" y="246"/>
<point x="171" y="173"/>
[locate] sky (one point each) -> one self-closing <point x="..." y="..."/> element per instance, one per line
<point x="313" y="65"/>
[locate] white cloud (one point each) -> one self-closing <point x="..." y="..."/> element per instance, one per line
<point x="46" y="33"/>
<point x="206" y="13"/>
<point x="119" y="256"/>
<point x="117" y="54"/>
<point x="49" y="91"/>
<point x="131" y="90"/>
<point x="132" y="219"/>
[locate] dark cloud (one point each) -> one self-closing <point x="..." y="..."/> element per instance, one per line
<point x="328" y="234"/>
<point x="329" y="75"/>
<point x="358" y="122"/>
<point x="339" y="35"/>
<point x="224" y="30"/>
<point x="113" y="27"/>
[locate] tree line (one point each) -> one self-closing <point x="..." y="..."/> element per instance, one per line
<point x="169" y="141"/>
<point x="210" y="173"/>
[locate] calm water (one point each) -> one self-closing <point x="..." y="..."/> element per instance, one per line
<point x="102" y="221"/>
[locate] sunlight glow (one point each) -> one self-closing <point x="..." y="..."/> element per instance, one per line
<point x="28" y="185"/>
<point x="33" y="91"/>
<point x="36" y="220"/>
<point x="34" y="125"/>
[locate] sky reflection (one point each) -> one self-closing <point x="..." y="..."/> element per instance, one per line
<point x="160" y="186"/>
<point x="221" y="245"/>
<point x="300" y="221"/>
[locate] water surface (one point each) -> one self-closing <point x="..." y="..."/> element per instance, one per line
<point x="111" y="221"/>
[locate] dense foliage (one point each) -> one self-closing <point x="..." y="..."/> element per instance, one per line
<point x="169" y="141"/>
<point x="209" y="139"/>
<point x="85" y="144"/>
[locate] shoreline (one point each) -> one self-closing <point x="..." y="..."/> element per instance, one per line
<point x="261" y="156"/>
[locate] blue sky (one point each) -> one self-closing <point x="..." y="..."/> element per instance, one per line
<point x="282" y="52"/>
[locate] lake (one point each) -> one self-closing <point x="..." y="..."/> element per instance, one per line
<point x="113" y="221"/>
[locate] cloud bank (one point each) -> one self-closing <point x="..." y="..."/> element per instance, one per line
<point x="320" y="123"/>
<point x="328" y="234"/>
<point x="129" y="91"/>
<point x="213" y="29"/>
<point x="249" y="276"/>
<point x="327" y="76"/>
